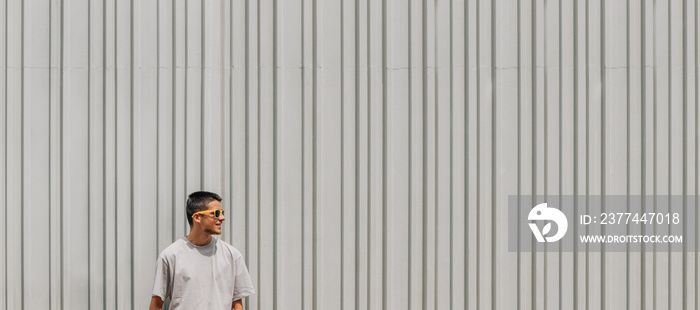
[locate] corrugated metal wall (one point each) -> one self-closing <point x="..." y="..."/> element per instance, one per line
<point x="365" y="149"/>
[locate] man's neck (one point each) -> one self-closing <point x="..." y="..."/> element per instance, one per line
<point x="199" y="238"/>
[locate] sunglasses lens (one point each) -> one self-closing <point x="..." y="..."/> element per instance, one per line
<point x="217" y="213"/>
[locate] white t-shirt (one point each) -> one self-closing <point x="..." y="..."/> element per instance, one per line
<point x="211" y="276"/>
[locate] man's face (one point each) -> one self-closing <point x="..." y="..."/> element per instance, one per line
<point x="210" y="223"/>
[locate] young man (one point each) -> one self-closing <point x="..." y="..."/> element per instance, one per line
<point x="200" y="271"/>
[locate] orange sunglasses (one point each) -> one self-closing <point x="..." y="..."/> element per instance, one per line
<point x="217" y="212"/>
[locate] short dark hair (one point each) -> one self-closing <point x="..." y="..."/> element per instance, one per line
<point x="198" y="201"/>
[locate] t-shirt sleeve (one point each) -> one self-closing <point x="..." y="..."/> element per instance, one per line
<point x="243" y="287"/>
<point x="161" y="284"/>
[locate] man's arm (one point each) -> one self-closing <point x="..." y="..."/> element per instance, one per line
<point x="237" y="305"/>
<point x="157" y="303"/>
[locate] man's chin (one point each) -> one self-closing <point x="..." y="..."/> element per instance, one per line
<point x="212" y="232"/>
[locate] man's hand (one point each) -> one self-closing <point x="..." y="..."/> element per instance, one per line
<point x="157" y="303"/>
<point x="237" y="305"/>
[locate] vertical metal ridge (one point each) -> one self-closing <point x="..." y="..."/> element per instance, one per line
<point x="603" y="148"/>
<point x="670" y="140"/>
<point x="342" y="155"/>
<point x="424" y="150"/>
<point x="173" y="127"/>
<point x="275" y="98"/>
<point x="222" y="101"/>
<point x="385" y="97"/>
<point x="357" y="153"/>
<point x="545" y="139"/>
<point x="697" y="142"/>
<point x="131" y="153"/>
<point x="560" y="189"/>
<point x="494" y="149"/>
<point x="21" y="150"/>
<point x="628" y="167"/>
<point x="258" y="143"/>
<point x="436" y="148"/>
<point x="369" y="152"/>
<point x="655" y="148"/>
<point x="314" y="146"/>
<point x="60" y="152"/>
<point x="518" y="296"/>
<point x="576" y="148"/>
<point x="533" y="135"/>
<point x="104" y="153"/>
<point x="116" y="155"/>
<point x="247" y="129"/>
<point x="185" y="103"/>
<point x="258" y="146"/>
<point x="409" y="190"/>
<point x="5" y="162"/>
<point x="588" y="147"/>
<point x="466" y="153"/>
<point x="303" y="153"/>
<point x="89" y="148"/>
<point x="185" y="99"/>
<point x="451" y="116"/>
<point x="478" y="154"/>
<point x="643" y="255"/>
<point x="158" y="113"/>
<point x="685" y="153"/>
<point x="231" y="133"/>
<point x="201" y="94"/>
<point x="50" y="168"/>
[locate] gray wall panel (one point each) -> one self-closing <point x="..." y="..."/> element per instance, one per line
<point x="365" y="149"/>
